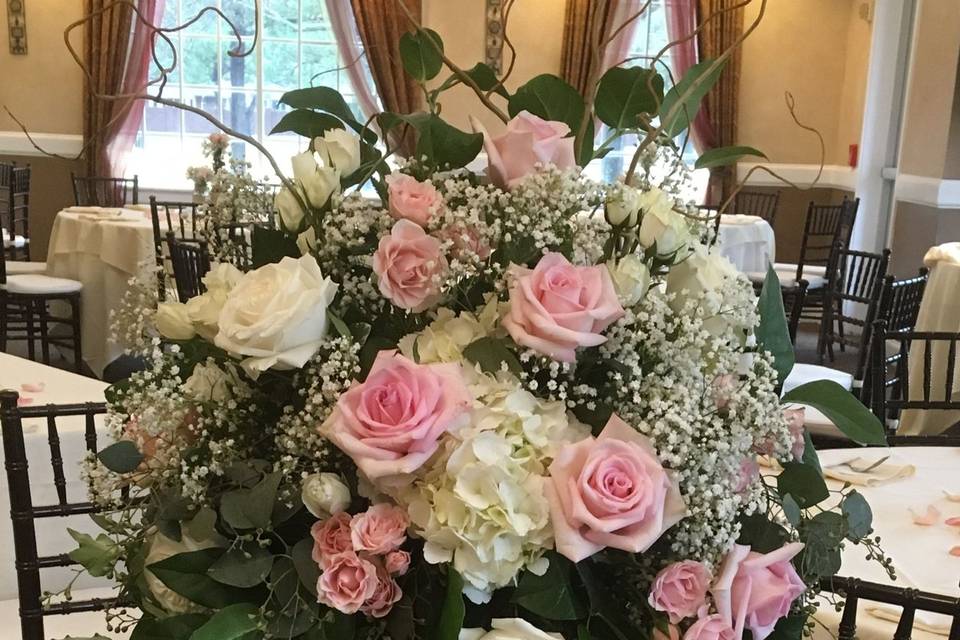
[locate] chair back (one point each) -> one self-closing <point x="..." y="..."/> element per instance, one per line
<point x="825" y="225"/>
<point x="15" y="212"/>
<point x="235" y="244"/>
<point x="97" y="191"/>
<point x="24" y="513"/>
<point x="852" y="590"/>
<point x="900" y="301"/>
<point x="191" y="261"/>
<point x="755" y="203"/>
<point x="181" y="219"/>
<point x="799" y="295"/>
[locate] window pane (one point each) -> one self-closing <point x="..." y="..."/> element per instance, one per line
<point x="280" y="65"/>
<point x="320" y="65"/>
<point x="238" y="71"/>
<point x="280" y="18"/>
<point x="165" y="57"/>
<point x="207" y="24"/>
<point x="205" y="99"/>
<point x="170" y="18"/>
<point x="272" y="113"/>
<point x="315" y="25"/>
<point x="241" y="14"/>
<point x="199" y="61"/>
<point x="158" y="118"/>
<point x="240" y="111"/>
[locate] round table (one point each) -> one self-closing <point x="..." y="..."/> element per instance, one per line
<point x="747" y="241"/>
<point x="939" y="311"/>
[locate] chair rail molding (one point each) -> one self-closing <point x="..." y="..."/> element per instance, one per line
<point x="938" y="193"/>
<point x="834" y="176"/>
<point x="16" y="143"/>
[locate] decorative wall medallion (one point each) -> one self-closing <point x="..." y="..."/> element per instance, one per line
<point x="493" y="45"/>
<point x="17" y="21"/>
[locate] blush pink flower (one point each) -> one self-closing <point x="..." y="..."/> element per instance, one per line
<point x="610" y="491"/>
<point x="347" y="582"/>
<point x="755" y="590"/>
<point x="748" y="472"/>
<point x="466" y="240"/>
<point x="680" y="589"/>
<point x="723" y="388"/>
<point x="411" y="199"/>
<point x="672" y="633"/>
<point x="528" y="141"/>
<point x="386" y="593"/>
<point x="391" y="423"/>
<point x="380" y="529"/>
<point x="557" y="307"/>
<point x="710" y="626"/>
<point x="794" y="418"/>
<point x="331" y="537"/>
<point x="397" y="562"/>
<point x="409" y="265"/>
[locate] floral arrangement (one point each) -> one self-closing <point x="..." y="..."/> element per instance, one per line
<point x="506" y="403"/>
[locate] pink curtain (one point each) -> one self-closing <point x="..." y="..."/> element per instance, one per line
<point x="348" y="42"/>
<point x="681" y="22"/>
<point x="618" y="49"/>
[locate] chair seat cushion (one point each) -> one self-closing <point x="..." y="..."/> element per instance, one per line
<point x="808" y="269"/>
<point x="16" y="243"/>
<point x="76" y="625"/>
<point x="17" y="267"/>
<point x="30" y="283"/>
<point x="789" y="279"/>
<point x="804" y="373"/>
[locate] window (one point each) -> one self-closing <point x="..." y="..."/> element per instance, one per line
<point x="297" y="48"/>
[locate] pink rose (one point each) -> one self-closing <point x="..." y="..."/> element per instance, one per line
<point x="756" y="590"/>
<point x="409" y="265"/>
<point x="385" y="595"/>
<point x="411" y="199"/>
<point x="466" y="240"/>
<point x="680" y="589"/>
<point x="795" y="417"/>
<point x="672" y="633"/>
<point x="558" y="307"/>
<point x="397" y="562"/>
<point x="610" y="492"/>
<point x="528" y="141"/>
<point x="749" y="470"/>
<point x="710" y="627"/>
<point x="390" y="424"/>
<point x="723" y="388"/>
<point x="347" y="582"/>
<point x="380" y="529"/>
<point x="331" y="537"/>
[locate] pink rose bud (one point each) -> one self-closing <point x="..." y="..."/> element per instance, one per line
<point x="710" y="627"/>
<point x="385" y="595"/>
<point x="795" y="419"/>
<point x="528" y="141"/>
<point x="680" y="589"/>
<point x="397" y="562"/>
<point x="409" y="265"/>
<point x="610" y="492"/>
<point x="347" y="582"/>
<point x="749" y="470"/>
<point x="723" y="388"/>
<point x="411" y="199"/>
<point x="380" y="529"/>
<point x="331" y="537"/>
<point x="557" y="307"/>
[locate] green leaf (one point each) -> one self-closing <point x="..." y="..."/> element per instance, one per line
<point x="342" y="329"/>
<point x="810" y="456"/>
<point x="235" y="622"/>
<point x="421" y="54"/>
<point x="584" y="148"/>
<point x="486" y="78"/>
<point x="760" y="534"/>
<point x="842" y="408"/>
<point x="303" y="562"/>
<point x="245" y="566"/>
<point x="490" y="353"/>
<point x="859" y="516"/>
<point x="696" y="82"/>
<point x="446" y="147"/>
<point x="791" y="510"/>
<point x="626" y="92"/>
<point x="309" y="124"/>
<point x="722" y="156"/>
<point x="330" y="101"/>
<point x="772" y="332"/>
<point x="803" y="483"/>
<point x="251" y="508"/>
<point x="97" y="555"/>
<point x="452" y="611"/>
<point x="602" y="602"/>
<point x="821" y="536"/>
<point x="167" y="628"/>
<point x="271" y="245"/>
<point x="203" y="525"/>
<point x="121" y="457"/>
<point x="186" y="574"/>
<point x="551" y="595"/>
<point x="550" y="98"/>
<point x="341" y="627"/>
<point x="789" y="628"/>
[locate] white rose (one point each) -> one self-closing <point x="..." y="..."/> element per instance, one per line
<point x="701" y="273"/>
<point x="204" y="309"/>
<point x="173" y="321"/>
<point x="517" y="629"/>
<point x="661" y="225"/>
<point x="623" y="208"/>
<point x="340" y="149"/>
<point x="631" y="278"/>
<point x="317" y="183"/>
<point x="276" y="315"/>
<point x="307" y="241"/>
<point x="291" y="213"/>
<point x="209" y="383"/>
<point x="160" y="548"/>
<point x="324" y="494"/>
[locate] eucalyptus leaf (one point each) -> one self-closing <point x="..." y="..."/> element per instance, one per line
<point x="859" y="516"/>
<point x="245" y="566"/>
<point x="97" y="555"/>
<point x="761" y="534"/>
<point x="307" y="569"/>
<point x="791" y="510"/>
<point x="421" y="54"/>
<point x="234" y="622"/>
<point x="549" y="97"/>
<point x="121" y="457"/>
<point x="803" y="483"/>
<point x="842" y="408"/>
<point x="626" y="92"/>
<point x="722" y="156"/>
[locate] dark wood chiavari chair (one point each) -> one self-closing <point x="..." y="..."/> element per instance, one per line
<point x="796" y="307"/>
<point x="17" y="214"/>
<point x="191" y="261"/>
<point x="25" y="514"/>
<point x="909" y="600"/>
<point x="755" y="203"/>
<point x="95" y="191"/>
<point x="857" y="279"/>
<point x="181" y="219"/>
<point x="235" y="242"/>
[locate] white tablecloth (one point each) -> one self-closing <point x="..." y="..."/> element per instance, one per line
<point x="103" y="252"/>
<point x="748" y="242"/>
<point x="920" y="554"/>
<point x="939" y="311"/>
<point x="59" y="387"/>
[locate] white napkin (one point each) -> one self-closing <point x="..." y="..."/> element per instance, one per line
<point x="922" y="620"/>
<point x="949" y="252"/>
<point x="868" y="473"/>
<point x="738" y="219"/>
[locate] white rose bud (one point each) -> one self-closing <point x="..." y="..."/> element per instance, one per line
<point x="307" y="241"/>
<point x="324" y="494"/>
<point x="661" y="225"/>
<point x="173" y="321"/>
<point x="700" y="274"/>
<point x="631" y="278"/>
<point x="209" y="383"/>
<point x="291" y="213"/>
<point x="340" y="149"/>
<point x="317" y="183"/>
<point x="623" y="210"/>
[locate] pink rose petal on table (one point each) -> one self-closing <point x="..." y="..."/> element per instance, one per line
<point x="955" y="551"/>
<point x="23" y="401"/>
<point x="952" y="522"/>
<point x="952" y="497"/>
<point x="927" y="519"/>
<point x="33" y="387"/>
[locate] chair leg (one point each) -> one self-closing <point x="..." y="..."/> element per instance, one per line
<point x="31" y="337"/>
<point x="44" y="337"/>
<point x="3" y="323"/>
<point x="75" y="325"/>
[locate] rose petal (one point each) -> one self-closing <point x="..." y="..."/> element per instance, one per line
<point x="952" y="497"/>
<point x="952" y="522"/>
<point x="33" y="387"/>
<point x="955" y="551"/>
<point x="929" y="518"/>
<point x="23" y="401"/>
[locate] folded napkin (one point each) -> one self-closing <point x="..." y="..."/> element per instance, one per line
<point x="922" y="620"/>
<point x="868" y="473"/>
<point x="949" y="252"/>
<point x="738" y="219"/>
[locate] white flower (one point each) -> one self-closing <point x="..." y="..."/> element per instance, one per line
<point x="661" y="225"/>
<point x="209" y="383"/>
<point x="307" y="241"/>
<point x="276" y="315"/>
<point x="516" y="629"/>
<point x="701" y="273"/>
<point x="204" y="309"/>
<point x="324" y="494"/>
<point x="339" y="149"/>
<point x="317" y="183"/>
<point x="444" y="339"/>
<point x="291" y="212"/>
<point x="160" y="548"/>
<point x="623" y="208"/>
<point x="173" y="321"/>
<point x="631" y="278"/>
